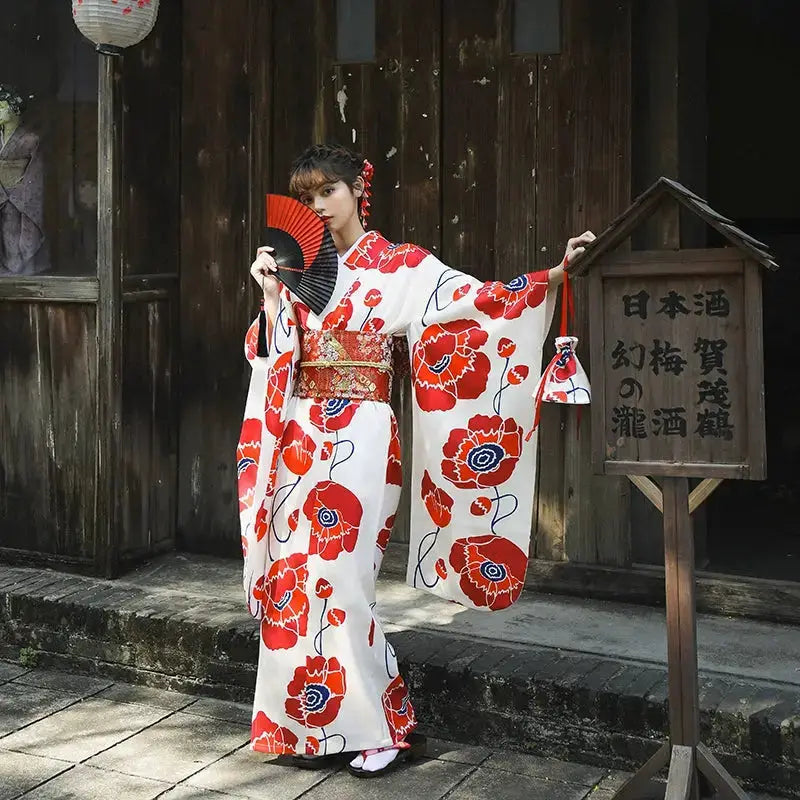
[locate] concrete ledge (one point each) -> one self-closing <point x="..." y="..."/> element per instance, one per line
<point x="577" y="706"/>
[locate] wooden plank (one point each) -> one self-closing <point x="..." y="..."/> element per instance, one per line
<point x="681" y="616"/>
<point x="52" y="289"/>
<point x="302" y="95"/>
<point x="148" y="453"/>
<point x="640" y="781"/>
<point x="754" y="350"/>
<point x="470" y="60"/>
<point x="109" y="315"/>
<point x="649" y="489"/>
<point x="260" y="68"/>
<point x="579" y="190"/>
<point x="687" y="469"/>
<point x="48" y="428"/>
<point x="215" y="306"/>
<point x="715" y="259"/>
<point x="404" y="129"/>
<point x="151" y="87"/>
<point x="682" y="779"/>
<point x="702" y="492"/>
<point x="722" y="780"/>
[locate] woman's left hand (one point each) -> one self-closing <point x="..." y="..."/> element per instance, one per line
<point x="575" y="247"/>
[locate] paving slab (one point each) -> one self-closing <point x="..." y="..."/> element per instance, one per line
<point x="185" y="792"/>
<point x="486" y="783"/>
<point x="257" y="777"/>
<point x="82" y="730"/>
<point x="177" y="747"/>
<point x="9" y="671"/>
<point x="56" y="680"/>
<point x="87" y="783"/>
<point x="21" y="705"/>
<point x="222" y="709"/>
<point x="20" y="772"/>
<point x="547" y="768"/>
<point x="146" y="696"/>
<point x="426" y="780"/>
<point x="453" y="751"/>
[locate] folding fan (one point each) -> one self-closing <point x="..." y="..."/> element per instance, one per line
<point x="304" y="250"/>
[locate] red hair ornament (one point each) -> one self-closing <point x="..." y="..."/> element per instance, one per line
<point x="367" y="172"/>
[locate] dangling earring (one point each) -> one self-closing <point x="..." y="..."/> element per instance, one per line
<point x="367" y="171"/>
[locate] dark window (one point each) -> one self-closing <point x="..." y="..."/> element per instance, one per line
<point x="355" y="31"/>
<point x="537" y="26"/>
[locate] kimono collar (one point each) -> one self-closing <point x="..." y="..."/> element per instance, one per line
<point x="364" y="252"/>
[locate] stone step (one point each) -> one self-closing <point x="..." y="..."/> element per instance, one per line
<point x="179" y="623"/>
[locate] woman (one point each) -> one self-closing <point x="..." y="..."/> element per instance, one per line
<point x="319" y="468"/>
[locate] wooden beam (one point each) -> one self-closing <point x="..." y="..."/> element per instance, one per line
<point x="721" y="779"/>
<point x="649" y="488"/>
<point x="51" y="289"/>
<point x="109" y="314"/>
<point x="702" y="492"/>
<point x="680" y="782"/>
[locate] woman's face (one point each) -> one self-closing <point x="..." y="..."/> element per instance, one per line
<point x="336" y="203"/>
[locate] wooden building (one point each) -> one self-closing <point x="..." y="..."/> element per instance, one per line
<point x="497" y="127"/>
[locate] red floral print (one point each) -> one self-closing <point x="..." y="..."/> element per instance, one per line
<point x="277" y="383"/>
<point x="462" y="291"/>
<point x="316" y="692"/>
<point x="374" y="325"/>
<point x="312" y="745"/>
<point x="385" y="533"/>
<point x="492" y="569"/>
<point x="248" y="453"/>
<point x="336" y="617"/>
<point x="483" y="454"/>
<point x="297" y="449"/>
<point x="251" y="341"/>
<point x="481" y="506"/>
<point x="284" y="602"/>
<point x="517" y="374"/>
<point x="448" y="365"/>
<point x="395" y="256"/>
<point x="268" y="737"/>
<point x="323" y="589"/>
<point x="438" y="503"/>
<point x="261" y="525"/>
<point x="509" y="300"/>
<point x="506" y="348"/>
<point x="441" y="568"/>
<point x="394" y="466"/>
<point x="398" y="710"/>
<point x="332" y="415"/>
<point x="372" y="298"/>
<point x="338" y="318"/>
<point x="335" y="515"/>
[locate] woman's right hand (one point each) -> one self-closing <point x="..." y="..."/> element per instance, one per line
<point x="263" y="270"/>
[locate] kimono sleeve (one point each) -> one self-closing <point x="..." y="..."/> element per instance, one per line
<point x="257" y="453"/>
<point x="475" y="352"/>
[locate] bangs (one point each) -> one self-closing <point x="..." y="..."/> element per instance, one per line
<point x="309" y="179"/>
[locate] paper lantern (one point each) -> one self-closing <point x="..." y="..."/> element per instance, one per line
<point x="114" y="24"/>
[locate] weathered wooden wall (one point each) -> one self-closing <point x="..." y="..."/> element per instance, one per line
<point x="151" y="90"/>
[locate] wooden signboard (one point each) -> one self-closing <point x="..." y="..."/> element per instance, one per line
<point x="677" y="392"/>
<point x="676" y="364"/>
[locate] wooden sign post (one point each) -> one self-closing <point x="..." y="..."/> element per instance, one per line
<point x="677" y="393"/>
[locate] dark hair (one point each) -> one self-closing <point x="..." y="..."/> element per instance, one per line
<point x="324" y="163"/>
<point x="13" y="98"/>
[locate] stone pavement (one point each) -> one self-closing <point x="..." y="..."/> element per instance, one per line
<point x="66" y="735"/>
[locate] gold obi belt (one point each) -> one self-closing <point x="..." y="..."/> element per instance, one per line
<point x="345" y="364"/>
